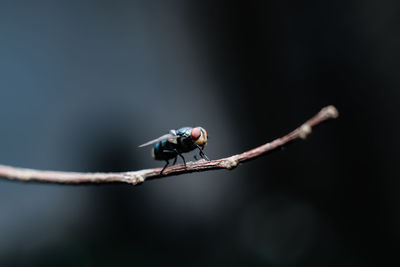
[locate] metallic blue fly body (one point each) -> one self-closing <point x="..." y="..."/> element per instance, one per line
<point x="176" y="142"/>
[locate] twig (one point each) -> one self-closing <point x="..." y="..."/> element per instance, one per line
<point x="136" y="177"/>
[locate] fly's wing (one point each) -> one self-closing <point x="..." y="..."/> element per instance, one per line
<point x="171" y="135"/>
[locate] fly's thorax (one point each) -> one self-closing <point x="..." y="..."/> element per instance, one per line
<point x="185" y="145"/>
<point x="184" y="132"/>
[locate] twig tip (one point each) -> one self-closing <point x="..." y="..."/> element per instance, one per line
<point x="331" y="112"/>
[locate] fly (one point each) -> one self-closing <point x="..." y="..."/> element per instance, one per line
<point x="176" y="142"/>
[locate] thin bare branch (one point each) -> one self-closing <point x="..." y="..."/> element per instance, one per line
<point x="136" y="177"/>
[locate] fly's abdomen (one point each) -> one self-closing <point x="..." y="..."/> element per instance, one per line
<point x="164" y="150"/>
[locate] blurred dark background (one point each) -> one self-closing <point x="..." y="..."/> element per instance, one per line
<point x="82" y="83"/>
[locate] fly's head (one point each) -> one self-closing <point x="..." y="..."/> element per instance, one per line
<point x="199" y="136"/>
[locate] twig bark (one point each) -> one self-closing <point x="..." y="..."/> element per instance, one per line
<point x="136" y="177"/>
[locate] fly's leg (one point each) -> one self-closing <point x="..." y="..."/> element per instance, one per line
<point x="184" y="161"/>
<point x="164" y="167"/>
<point x="204" y="156"/>
<point x="195" y="157"/>
<point x="201" y="153"/>
<point x="180" y="155"/>
<point x="173" y="163"/>
<point x="169" y="151"/>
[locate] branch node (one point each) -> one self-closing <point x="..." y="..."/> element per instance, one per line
<point x="304" y="131"/>
<point x="230" y="163"/>
<point x="134" y="179"/>
<point x="139" y="179"/>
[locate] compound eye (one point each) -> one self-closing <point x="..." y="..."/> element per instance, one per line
<point x="195" y="134"/>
